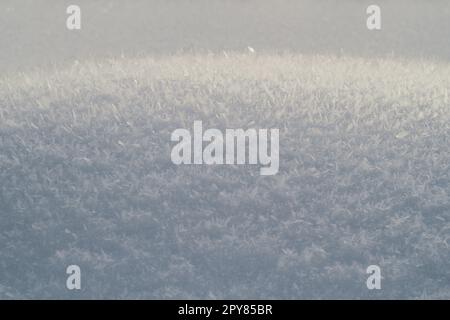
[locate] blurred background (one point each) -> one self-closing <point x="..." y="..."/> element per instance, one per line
<point x="33" y="32"/>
